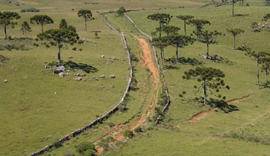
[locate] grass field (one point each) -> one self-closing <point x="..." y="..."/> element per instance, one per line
<point x="34" y="116"/>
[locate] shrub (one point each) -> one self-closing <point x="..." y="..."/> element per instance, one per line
<point x="85" y="146"/>
<point x="121" y="11"/>
<point x="128" y="133"/>
<point x="138" y="129"/>
<point x="133" y="57"/>
<point x="30" y="10"/>
<point x="105" y="142"/>
<point x="110" y="124"/>
<point x="68" y="153"/>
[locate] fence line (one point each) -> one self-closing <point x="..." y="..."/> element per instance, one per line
<point x="161" y="73"/>
<point x="105" y="116"/>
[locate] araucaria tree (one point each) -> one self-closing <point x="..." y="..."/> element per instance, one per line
<point x="57" y="37"/>
<point x="235" y="32"/>
<point x="162" y="18"/>
<point x="179" y="41"/>
<point x="208" y="37"/>
<point x="198" y="23"/>
<point x="161" y="44"/>
<point x="42" y="20"/>
<point x="6" y="19"/>
<point x="185" y="18"/>
<point x="87" y="16"/>
<point x="211" y="78"/>
<point x="258" y="57"/>
<point x="25" y="27"/>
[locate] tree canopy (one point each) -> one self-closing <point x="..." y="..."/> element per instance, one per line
<point x="6" y="19"/>
<point x="42" y="20"/>
<point x="211" y="77"/>
<point x="162" y="18"/>
<point x="169" y="30"/>
<point x="87" y="15"/>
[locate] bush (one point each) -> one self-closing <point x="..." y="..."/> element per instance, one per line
<point x="133" y="57"/>
<point x="121" y="11"/>
<point x="30" y="10"/>
<point x="128" y="133"/>
<point x="84" y="147"/>
<point x="138" y="129"/>
<point x="104" y="143"/>
<point x="68" y="153"/>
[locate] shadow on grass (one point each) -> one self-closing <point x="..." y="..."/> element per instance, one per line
<point x="223" y="60"/>
<point x="84" y="67"/>
<point x="184" y="61"/>
<point x="3" y="58"/>
<point x="241" y="15"/>
<point x="170" y="67"/>
<point x="223" y="105"/>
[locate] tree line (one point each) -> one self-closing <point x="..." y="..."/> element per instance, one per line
<point x="65" y="34"/>
<point x="211" y="78"/>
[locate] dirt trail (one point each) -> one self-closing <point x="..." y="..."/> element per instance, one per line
<point x="203" y="113"/>
<point x="148" y="62"/>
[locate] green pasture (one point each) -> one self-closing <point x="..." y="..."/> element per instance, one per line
<point x="240" y="130"/>
<point x="37" y="108"/>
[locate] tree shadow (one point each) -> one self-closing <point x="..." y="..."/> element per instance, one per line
<point x="223" y="105"/>
<point x="3" y="58"/>
<point x="185" y="61"/>
<point x="241" y="15"/>
<point x="223" y="60"/>
<point x="171" y="67"/>
<point x="229" y="108"/>
<point x="84" y="67"/>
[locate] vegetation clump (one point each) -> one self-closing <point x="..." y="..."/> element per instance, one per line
<point x="29" y="10"/>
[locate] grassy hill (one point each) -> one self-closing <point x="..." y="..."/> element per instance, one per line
<point x="37" y="107"/>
